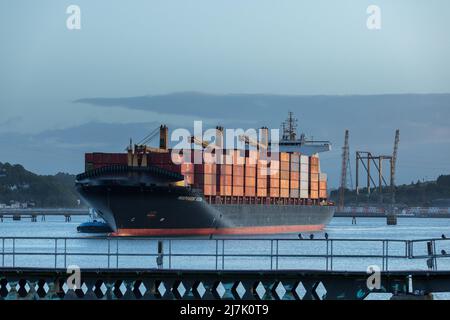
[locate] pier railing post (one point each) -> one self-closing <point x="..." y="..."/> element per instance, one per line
<point x="276" y="267"/>
<point x="223" y="254"/>
<point x="65" y="253"/>
<point x="387" y="255"/>
<point x="434" y="255"/>
<point x="109" y="251"/>
<point x="170" y="255"/>
<point x="217" y="253"/>
<point x="14" y="252"/>
<point x="271" y="254"/>
<point x="56" y="252"/>
<point x="332" y="256"/>
<point x="117" y="253"/>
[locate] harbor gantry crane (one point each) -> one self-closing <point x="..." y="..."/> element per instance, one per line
<point x="394" y="164"/>
<point x="345" y="161"/>
<point x="367" y="159"/>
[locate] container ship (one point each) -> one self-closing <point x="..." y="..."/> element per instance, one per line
<point x="255" y="190"/>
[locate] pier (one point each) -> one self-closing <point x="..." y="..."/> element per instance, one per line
<point x="286" y="269"/>
<point x="34" y="213"/>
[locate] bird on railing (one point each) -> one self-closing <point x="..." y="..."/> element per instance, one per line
<point x="311" y="236"/>
<point x="300" y="236"/>
<point x="444" y="253"/>
<point x="326" y="235"/>
<point x="443" y="237"/>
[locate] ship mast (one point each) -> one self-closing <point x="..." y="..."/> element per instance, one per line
<point x="290" y="127"/>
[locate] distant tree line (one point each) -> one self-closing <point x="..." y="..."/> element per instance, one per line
<point x="415" y="194"/>
<point x="20" y="185"/>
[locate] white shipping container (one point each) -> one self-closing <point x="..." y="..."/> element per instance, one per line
<point x="304" y="160"/>
<point x="304" y="194"/>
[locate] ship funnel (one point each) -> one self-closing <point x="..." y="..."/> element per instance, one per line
<point x="163" y="137"/>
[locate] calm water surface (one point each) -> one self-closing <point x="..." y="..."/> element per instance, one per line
<point x="339" y="228"/>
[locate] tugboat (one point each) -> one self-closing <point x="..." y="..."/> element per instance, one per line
<point x="94" y="226"/>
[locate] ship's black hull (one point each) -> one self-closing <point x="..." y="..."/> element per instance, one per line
<point x="136" y="202"/>
<point x="178" y="211"/>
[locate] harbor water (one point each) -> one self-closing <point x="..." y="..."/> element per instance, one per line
<point x="232" y="253"/>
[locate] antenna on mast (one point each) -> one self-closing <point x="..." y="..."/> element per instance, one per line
<point x="290" y="127"/>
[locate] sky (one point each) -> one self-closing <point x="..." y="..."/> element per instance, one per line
<point x="154" y="48"/>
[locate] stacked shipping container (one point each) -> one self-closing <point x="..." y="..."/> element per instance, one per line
<point x="238" y="173"/>
<point x="313" y="178"/>
<point x="250" y="173"/>
<point x="274" y="179"/>
<point x="304" y="177"/>
<point x="98" y="160"/>
<point x="261" y="179"/>
<point x="284" y="174"/>
<point x="323" y="186"/>
<point x="293" y="176"/>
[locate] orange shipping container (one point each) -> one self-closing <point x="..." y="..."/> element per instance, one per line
<point x="284" y="193"/>
<point x="225" y="190"/>
<point x="294" y="184"/>
<point x="238" y="170"/>
<point x="250" y="171"/>
<point x="274" y="192"/>
<point x="261" y="192"/>
<point x="226" y="169"/>
<point x="274" y="183"/>
<point x="238" y="158"/>
<point x="238" y="191"/>
<point x="250" y="191"/>
<point x="238" y="181"/>
<point x="252" y="158"/>
<point x="226" y="180"/>
<point x="284" y="184"/>
<point x="209" y="190"/>
<point x="284" y="156"/>
<point x="284" y="175"/>
<point x="314" y="186"/>
<point x="262" y="172"/>
<point x="261" y="183"/>
<point x="187" y="167"/>
<point x="274" y="168"/>
<point x="250" y="181"/>
<point x="284" y="166"/>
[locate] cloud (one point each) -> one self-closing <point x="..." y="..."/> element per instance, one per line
<point x="372" y="120"/>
